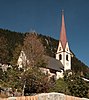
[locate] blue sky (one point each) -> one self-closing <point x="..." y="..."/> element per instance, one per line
<point x="44" y="16"/>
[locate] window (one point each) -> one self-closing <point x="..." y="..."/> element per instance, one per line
<point x="60" y="57"/>
<point x="52" y="71"/>
<point x="67" y="57"/>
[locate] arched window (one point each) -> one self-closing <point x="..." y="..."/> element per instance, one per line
<point x="67" y="57"/>
<point x="60" y="57"/>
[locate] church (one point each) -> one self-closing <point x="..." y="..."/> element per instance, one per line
<point x="62" y="62"/>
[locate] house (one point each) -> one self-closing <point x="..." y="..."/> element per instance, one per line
<point x="62" y="62"/>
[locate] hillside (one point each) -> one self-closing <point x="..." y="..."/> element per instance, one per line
<point x="51" y="48"/>
<point x="14" y="39"/>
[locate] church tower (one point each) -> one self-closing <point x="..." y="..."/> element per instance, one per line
<point x="63" y="52"/>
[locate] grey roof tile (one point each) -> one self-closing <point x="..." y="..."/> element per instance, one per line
<point x="53" y="63"/>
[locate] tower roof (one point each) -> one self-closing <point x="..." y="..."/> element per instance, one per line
<point x="63" y="37"/>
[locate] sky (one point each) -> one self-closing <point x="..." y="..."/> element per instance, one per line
<point x="44" y="17"/>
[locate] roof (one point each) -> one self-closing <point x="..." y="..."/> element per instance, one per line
<point x="63" y="37"/>
<point x="54" y="64"/>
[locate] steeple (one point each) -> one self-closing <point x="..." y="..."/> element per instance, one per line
<point x="63" y="37"/>
<point x="63" y="52"/>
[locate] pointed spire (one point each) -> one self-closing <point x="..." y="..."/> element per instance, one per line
<point x="63" y="37"/>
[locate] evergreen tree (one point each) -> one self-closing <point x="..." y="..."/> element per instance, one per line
<point x="77" y="86"/>
<point x="16" y="54"/>
<point x="3" y="50"/>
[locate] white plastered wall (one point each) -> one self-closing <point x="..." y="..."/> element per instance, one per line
<point x="67" y="64"/>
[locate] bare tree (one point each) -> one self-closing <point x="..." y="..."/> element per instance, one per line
<point x="33" y="49"/>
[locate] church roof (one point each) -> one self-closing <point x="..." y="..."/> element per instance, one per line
<point x="63" y="37"/>
<point x="54" y="64"/>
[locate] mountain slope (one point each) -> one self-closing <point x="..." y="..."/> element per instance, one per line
<point x="50" y="44"/>
<point x="13" y="39"/>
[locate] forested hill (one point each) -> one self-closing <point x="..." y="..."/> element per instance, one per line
<point x="8" y="41"/>
<point x="11" y="43"/>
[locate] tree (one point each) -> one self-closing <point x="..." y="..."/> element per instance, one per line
<point x="12" y="78"/>
<point x="33" y="49"/>
<point x="35" y="81"/>
<point x="16" y="54"/>
<point x="77" y="86"/>
<point x="3" y="50"/>
<point x="60" y="86"/>
<point x="31" y="80"/>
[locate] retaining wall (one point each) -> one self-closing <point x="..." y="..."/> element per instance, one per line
<point x="46" y="96"/>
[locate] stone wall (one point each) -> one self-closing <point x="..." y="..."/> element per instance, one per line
<point x="46" y="96"/>
<point x="57" y="96"/>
